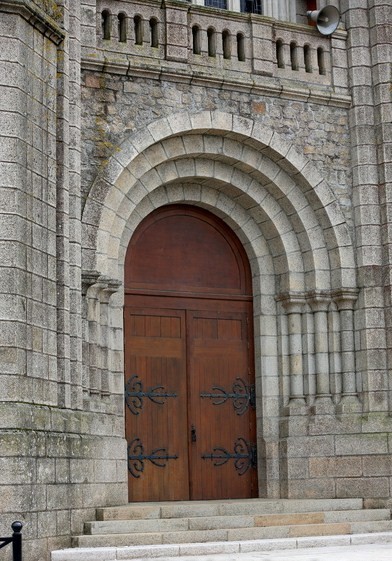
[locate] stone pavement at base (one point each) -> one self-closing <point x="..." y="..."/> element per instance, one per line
<point x="370" y="552"/>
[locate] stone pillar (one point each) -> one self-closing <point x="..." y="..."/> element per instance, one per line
<point x="75" y="205"/>
<point x="89" y="25"/>
<point x="345" y="302"/>
<point x="89" y="282"/>
<point x="381" y="48"/>
<point x="335" y="354"/>
<point x="368" y="199"/>
<point x="294" y="308"/>
<point x="176" y="16"/>
<point x="28" y="268"/>
<point x="62" y="219"/>
<point x="263" y="52"/>
<point x="319" y="304"/>
<point x="111" y="288"/>
<point x="97" y="290"/>
<point x="94" y="336"/>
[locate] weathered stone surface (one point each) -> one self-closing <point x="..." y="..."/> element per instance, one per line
<point x="282" y="133"/>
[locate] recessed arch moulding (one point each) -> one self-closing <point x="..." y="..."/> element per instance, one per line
<point x="295" y="236"/>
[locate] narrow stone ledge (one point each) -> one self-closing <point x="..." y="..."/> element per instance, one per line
<point x="95" y="63"/>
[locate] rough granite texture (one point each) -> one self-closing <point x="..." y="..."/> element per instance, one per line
<point x="283" y="134"/>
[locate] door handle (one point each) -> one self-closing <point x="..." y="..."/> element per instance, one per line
<point x="193" y="434"/>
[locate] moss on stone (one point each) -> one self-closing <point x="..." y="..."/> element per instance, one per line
<point x="50" y="7"/>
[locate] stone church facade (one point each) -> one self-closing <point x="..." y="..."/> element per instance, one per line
<point x="113" y="109"/>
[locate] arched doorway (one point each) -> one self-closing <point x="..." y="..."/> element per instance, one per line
<point x="189" y="369"/>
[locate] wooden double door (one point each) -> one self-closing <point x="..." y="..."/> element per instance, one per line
<point x="189" y="378"/>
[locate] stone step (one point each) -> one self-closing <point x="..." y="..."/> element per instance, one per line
<point x="192" y="509"/>
<point x="237" y="548"/>
<point x="234" y="534"/>
<point x="230" y="522"/>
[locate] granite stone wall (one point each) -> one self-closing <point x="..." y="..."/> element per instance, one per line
<point x="289" y="144"/>
<point x="57" y="459"/>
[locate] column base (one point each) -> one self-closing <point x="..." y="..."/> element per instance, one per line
<point x="296" y="406"/>
<point x="349" y="404"/>
<point x="324" y="405"/>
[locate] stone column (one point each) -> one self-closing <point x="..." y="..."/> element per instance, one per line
<point x="319" y="303"/>
<point x="94" y="334"/>
<point x="294" y="305"/>
<point x="89" y="279"/>
<point x="368" y="202"/>
<point x="97" y="290"/>
<point x="111" y="287"/>
<point x="345" y="301"/>
<point x="75" y="204"/>
<point x="176" y="17"/>
<point x="381" y="49"/>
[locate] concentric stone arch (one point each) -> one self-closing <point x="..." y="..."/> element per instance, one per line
<point x="273" y="198"/>
<point x="173" y="149"/>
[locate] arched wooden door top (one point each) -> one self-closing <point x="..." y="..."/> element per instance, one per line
<point x="167" y="242"/>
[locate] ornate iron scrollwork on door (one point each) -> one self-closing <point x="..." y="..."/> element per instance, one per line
<point x="134" y="395"/>
<point x="244" y="455"/>
<point x="242" y="395"/>
<point x="137" y="457"/>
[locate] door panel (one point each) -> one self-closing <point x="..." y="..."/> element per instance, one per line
<point x="190" y="420"/>
<point x="221" y="408"/>
<point x="156" y="411"/>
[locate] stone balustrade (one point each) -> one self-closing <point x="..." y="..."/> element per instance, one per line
<point x="216" y="43"/>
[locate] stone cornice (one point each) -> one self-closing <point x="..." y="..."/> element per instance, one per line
<point x="36" y="17"/>
<point x="274" y="88"/>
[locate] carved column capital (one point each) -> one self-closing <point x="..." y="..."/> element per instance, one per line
<point x="345" y="298"/>
<point x="94" y="279"/>
<point x="112" y="286"/>
<point x="293" y="303"/>
<point x="319" y="300"/>
<point x="89" y="278"/>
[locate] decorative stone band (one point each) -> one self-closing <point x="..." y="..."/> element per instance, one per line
<point x="237" y="46"/>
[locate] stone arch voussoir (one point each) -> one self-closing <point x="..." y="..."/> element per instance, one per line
<point x="137" y="162"/>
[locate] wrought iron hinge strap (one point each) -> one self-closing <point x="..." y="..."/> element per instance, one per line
<point x="245" y="456"/>
<point x="137" y="457"/>
<point x="243" y="396"/>
<point x="134" y="395"/>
